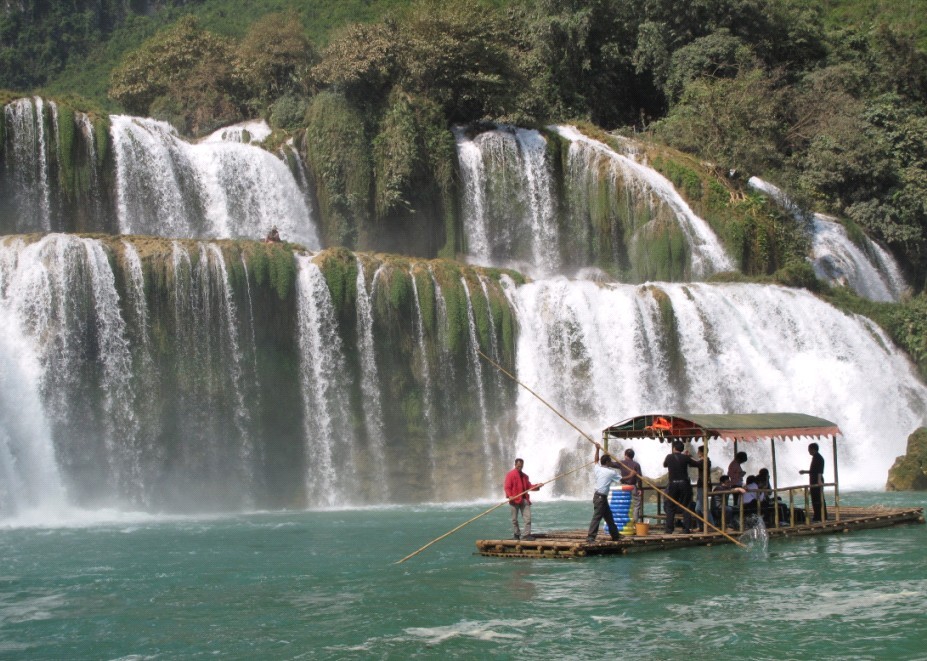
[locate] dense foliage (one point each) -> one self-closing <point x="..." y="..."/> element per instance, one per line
<point x="828" y="100"/>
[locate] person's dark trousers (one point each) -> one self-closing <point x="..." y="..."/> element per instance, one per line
<point x="601" y="510"/>
<point x="679" y="490"/>
<point x="817" y="502"/>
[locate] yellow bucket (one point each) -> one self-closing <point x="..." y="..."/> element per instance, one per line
<point x="643" y="529"/>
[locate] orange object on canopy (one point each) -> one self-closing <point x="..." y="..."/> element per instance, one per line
<point x="727" y="426"/>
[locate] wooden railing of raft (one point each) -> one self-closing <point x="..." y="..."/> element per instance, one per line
<point x="773" y="494"/>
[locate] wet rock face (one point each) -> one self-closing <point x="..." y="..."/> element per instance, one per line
<point x="909" y="473"/>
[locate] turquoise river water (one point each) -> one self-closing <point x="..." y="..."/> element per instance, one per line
<point x="324" y="585"/>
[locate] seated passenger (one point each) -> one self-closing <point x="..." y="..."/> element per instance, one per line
<point x="766" y="501"/>
<point x="720" y="501"/>
<point x="751" y="497"/>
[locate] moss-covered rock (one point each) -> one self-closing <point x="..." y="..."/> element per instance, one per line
<point x="337" y="152"/>
<point x="909" y="473"/>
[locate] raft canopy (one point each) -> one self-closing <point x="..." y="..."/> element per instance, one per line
<point x="730" y="427"/>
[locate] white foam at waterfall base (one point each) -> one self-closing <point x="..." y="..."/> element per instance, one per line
<point x="872" y="273"/>
<point x="215" y="189"/>
<point x="598" y="354"/>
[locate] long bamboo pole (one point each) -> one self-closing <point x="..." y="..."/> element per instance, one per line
<point x="491" y="509"/>
<point x="644" y="479"/>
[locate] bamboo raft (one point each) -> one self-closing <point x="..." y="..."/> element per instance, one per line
<point x="573" y="544"/>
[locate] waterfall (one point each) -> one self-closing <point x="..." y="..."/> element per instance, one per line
<point x="252" y="132"/>
<point x="31" y="484"/>
<point x="606" y="353"/>
<point x="96" y="196"/>
<point x="329" y="442"/>
<point x="181" y="379"/>
<point x="370" y="379"/>
<point x="120" y="424"/>
<point x="489" y="452"/>
<point x="60" y="296"/>
<point x="869" y="270"/>
<point x="214" y="189"/>
<point x="508" y="207"/>
<point x="423" y="365"/>
<point x="27" y="163"/>
<point x="586" y="158"/>
<point x="211" y="257"/>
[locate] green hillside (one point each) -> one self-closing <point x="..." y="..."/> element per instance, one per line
<point x="827" y="100"/>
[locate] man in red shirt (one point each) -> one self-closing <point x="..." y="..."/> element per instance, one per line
<point x="516" y="486"/>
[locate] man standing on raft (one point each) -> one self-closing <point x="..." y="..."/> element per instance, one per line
<point x="516" y="484"/>
<point x="604" y="473"/>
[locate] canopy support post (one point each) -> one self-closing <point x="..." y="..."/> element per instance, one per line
<point x="836" y="480"/>
<point x="775" y="478"/>
<point x="706" y="475"/>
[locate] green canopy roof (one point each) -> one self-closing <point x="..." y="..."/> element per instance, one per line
<point x="732" y="427"/>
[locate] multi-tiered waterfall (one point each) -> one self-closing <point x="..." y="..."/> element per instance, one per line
<point x="867" y="268"/>
<point x="155" y="183"/>
<point x="601" y="209"/>
<point x="190" y="373"/>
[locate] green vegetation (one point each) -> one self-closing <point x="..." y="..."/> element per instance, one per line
<point x="336" y="150"/>
<point x="828" y="100"/>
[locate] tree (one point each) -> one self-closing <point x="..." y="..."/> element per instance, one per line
<point x="337" y="150"/>
<point x="578" y="59"/>
<point x="733" y="122"/>
<point x="460" y="57"/>
<point x="717" y="55"/>
<point x="275" y="58"/>
<point x="360" y="62"/>
<point x="184" y="75"/>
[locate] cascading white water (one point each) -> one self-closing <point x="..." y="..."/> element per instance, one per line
<point x="422" y="355"/>
<point x="247" y="132"/>
<point x="870" y="271"/>
<point x="515" y="222"/>
<point x="57" y="284"/>
<point x="493" y="342"/>
<point x="96" y="196"/>
<point x="707" y="254"/>
<point x="28" y="162"/>
<point x="370" y="379"/>
<point x="211" y="258"/>
<point x="473" y="182"/>
<point x="216" y="189"/>
<point x="474" y="362"/>
<point x="444" y="359"/>
<point x="137" y="289"/>
<point x="30" y="483"/>
<point x="602" y="354"/>
<point x="321" y="368"/>
<point x="119" y="424"/>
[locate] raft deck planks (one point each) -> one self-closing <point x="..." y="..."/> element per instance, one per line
<point x="573" y="544"/>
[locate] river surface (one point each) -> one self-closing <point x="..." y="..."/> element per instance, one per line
<point x="324" y="585"/>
